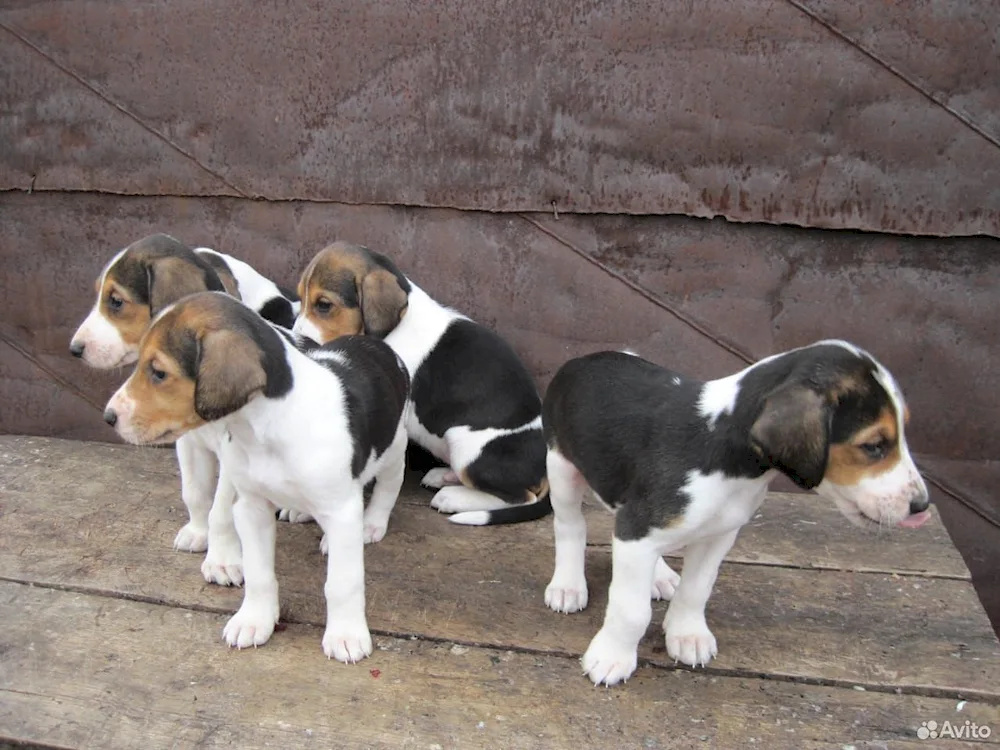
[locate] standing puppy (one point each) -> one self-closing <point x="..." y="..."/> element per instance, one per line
<point x="134" y="286"/>
<point x="475" y="406"/>
<point x="305" y="431"/>
<point x="685" y="464"/>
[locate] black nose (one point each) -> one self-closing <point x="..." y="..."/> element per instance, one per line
<point x="76" y="348"/>
<point x="919" y="505"/>
<point x="110" y="417"/>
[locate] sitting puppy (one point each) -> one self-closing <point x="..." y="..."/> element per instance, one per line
<point x="308" y="431"/>
<point x="134" y="286"/>
<point x="475" y="407"/>
<point x="685" y="464"/>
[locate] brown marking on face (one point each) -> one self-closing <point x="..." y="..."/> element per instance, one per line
<point x="192" y="369"/>
<point x="849" y="463"/>
<point x="117" y="305"/>
<point x="344" y="291"/>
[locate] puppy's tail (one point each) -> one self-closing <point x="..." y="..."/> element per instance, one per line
<point x="530" y="511"/>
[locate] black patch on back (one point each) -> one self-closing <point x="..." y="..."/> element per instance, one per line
<point x="635" y="435"/>
<point x="375" y="388"/>
<point x="278" y="310"/>
<point x="509" y="465"/>
<point x="472" y="377"/>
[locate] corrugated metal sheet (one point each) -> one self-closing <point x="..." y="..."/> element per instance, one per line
<point x="879" y="116"/>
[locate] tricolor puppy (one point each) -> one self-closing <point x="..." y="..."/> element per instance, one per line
<point x="134" y="286"/>
<point x="684" y="464"/>
<point x="305" y="431"/>
<point x="475" y="407"/>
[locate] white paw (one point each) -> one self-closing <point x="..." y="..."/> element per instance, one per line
<point x="293" y="516"/>
<point x="665" y="581"/>
<point x="690" y="642"/>
<point x="347" y="644"/>
<point x="252" y="625"/>
<point x="192" y="538"/>
<point x="440" y="477"/>
<point x="607" y="661"/>
<point x="224" y="563"/>
<point x="375" y="527"/>
<point x="564" y="595"/>
<point x="461" y="499"/>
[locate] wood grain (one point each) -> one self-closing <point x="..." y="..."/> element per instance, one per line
<point x="91" y="672"/>
<point x="434" y="580"/>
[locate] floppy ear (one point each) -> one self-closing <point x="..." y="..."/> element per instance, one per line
<point x="170" y="279"/>
<point x="383" y="302"/>
<point x="793" y="434"/>
<point x="229" y="373"/>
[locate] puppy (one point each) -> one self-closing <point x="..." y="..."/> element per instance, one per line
<point x="306" y="431"/>
<point x="134" y="286"/>
<point x="475" y="407"/>
<point x="684" y="464"/>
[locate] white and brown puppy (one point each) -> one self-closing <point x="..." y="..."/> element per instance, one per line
<point x="305" y="431"/>
<point x="685" y="464"/>
<point x="475" y="407"/>
<point x="134" y="286"/>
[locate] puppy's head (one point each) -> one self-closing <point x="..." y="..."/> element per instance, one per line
<point x="201" y="359"/>
<point x="836" y="424"/>
<point x="348" y="289"/>
<point x="136" y="284"/>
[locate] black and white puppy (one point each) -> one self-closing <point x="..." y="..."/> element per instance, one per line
<point x="476" y="408"/>
<point x="307" y="431"/>
<point x="135" y="285"/>
<point x="685" y="464"/>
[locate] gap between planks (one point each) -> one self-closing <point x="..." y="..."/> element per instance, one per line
<point x="712" y="671"/>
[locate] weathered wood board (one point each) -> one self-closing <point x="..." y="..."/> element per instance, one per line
<point x="110" y="638"/>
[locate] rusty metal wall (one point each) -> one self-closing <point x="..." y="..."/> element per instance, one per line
<point x="879" y="116"/>
<point x="476" y="141"/>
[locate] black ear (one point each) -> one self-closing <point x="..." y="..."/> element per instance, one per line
<point x="383" y="302"/>
<point x="792" y="433"/>
<point x="172" y="278"/>
<point x="229" y="373"/>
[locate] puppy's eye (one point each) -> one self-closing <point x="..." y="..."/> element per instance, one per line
<point x="323" y="306"/>
<point x="115" y="302"/>
<point x="875" y="449"/>
<point x="156" y="374"/>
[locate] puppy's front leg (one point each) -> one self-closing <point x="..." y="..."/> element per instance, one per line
<point x="688" y="638"/>
<point x="612" y="655"/>
<point x="386" y="491"/>
<point x="253" y="624"/>
<point x="224" y="562"/>
<point x="346" y="638"/>
<point x="197" y="465"/>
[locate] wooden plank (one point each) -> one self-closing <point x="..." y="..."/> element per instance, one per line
<point x="792" y="530"/>
<point x="89" y="671"/>
<point x="484" y="586"/>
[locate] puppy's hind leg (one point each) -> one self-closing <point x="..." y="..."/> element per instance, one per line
<point x="688" y="638"/>
<point x="386" y="489"/>
<point x="197" y="466"/>
<point x="567" y="591"/>
<point x="612" y="655"/>
<point x="347" y="637"/>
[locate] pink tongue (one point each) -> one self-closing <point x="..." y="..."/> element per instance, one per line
<point x="916" y="520"/>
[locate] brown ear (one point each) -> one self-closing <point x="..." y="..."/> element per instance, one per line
<point x="229" y="373"/>
<point x="792" y="433"/>
<point x="172" y="278"/>
<point x="383" y="302"/>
